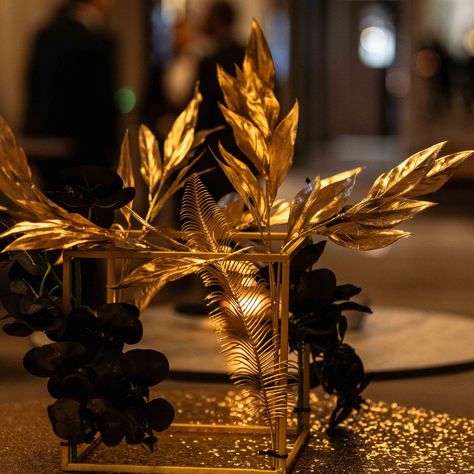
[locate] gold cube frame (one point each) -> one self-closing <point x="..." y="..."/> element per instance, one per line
<point x="72" y="456"/>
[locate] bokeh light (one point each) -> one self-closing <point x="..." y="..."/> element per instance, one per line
<point x="427" y="63"/>
<point x="125" y="100"/>
<point x="377" y="46"/>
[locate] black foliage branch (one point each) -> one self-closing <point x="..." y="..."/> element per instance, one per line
<point x="317" y="304"/>
<point x="99" y="388"/>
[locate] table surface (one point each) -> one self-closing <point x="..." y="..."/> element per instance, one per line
<point x="381" y="438"/>
<point x="390" y="339"/>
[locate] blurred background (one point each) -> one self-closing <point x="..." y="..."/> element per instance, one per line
<point x="376" y="81"/>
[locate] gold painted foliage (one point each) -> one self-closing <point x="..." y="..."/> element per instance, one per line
<point x="252" y="111"/>
<point x="369" y="224"/>
<point x="157" y="168"/>
<point x="43" y="224"/>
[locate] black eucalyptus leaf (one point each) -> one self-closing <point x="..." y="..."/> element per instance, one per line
<point x="77" y="386"/>
<point x="344" y="292"/>
<point x="160" y="414"/>
<point x="121" y="320"/>
<point x="353" y="306"/>
<point x="342" y="327"/>
<point x="17" y="329"/>
<point x="305" y="258"/>
<point x="21" y="287"/>
<point x="32" y="262"/>
<point x="112" y="424"/>
<point x="145" y="366"/>
<point x="84" y="327"/>
<point x="137" y="413"/>
<point x="66" y="418"/>
<point x="317" y="285"/>
<point x="94" y="192"/>
<point x="47" y="360"/>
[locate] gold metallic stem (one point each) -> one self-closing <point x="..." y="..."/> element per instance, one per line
<point x="297" y="449"/>
<point x="111" y="281"/>
<point x="306" y="380"/>
<point x="284" y="316"/>
<point x="122" y="468"/>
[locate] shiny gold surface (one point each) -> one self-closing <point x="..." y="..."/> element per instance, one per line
<point x="382" y="439"/>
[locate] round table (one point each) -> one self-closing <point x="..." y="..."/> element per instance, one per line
<point x="390" y="340"/>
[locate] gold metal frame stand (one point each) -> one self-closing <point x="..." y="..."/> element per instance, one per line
<point x="72" y="456"/>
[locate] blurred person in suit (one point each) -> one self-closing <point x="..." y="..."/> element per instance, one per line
<point x="70" y="88"/>
<point x="70" y="102"/>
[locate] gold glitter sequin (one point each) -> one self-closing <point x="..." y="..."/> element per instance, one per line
<point x="380" y="439"/>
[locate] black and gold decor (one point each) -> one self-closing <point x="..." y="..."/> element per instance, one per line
<point x="280" y="319"/>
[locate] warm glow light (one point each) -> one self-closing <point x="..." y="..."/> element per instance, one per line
<point x="468" y="42"/>
<point x="427" y="63"/>
<point x="251" y="306"/>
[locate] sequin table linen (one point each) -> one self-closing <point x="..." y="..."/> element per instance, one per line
<point x="380" y="439"/>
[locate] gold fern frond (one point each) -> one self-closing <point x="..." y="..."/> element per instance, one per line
<point x="243" y="315"/>
<point x="206" y="226"/>
<point x="244" y="326"/>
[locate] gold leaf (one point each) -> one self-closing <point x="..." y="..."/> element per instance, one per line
<point x="260" y="104"/>
<point x="125" y="171"/>
<point x="125" y="167"/>
<point x="150" y="160"/>
<point x="52" y="234"/>
<point x="180" y="139"/>
<point x="360" y="237"/>
<point x="280" y="212"/>
<point x="162" y="270"/>
<point x="406" y="176"/>
<point x="233" y="206"/>
<point x="300" y="207"/>
<point x="12" y="156"/>
<point x="385" y="213"/>
<point x="229" y="90"/>
<point x="245" y="183"/>
<point x="249" y="139"/>
<point x="341" y="176"/>
<point x="443" y="169"/>
<point x="282" y="150"/>
<point x="332" y="197"/>
<point x="258" y="57"/>
<point x="144" y="294"/>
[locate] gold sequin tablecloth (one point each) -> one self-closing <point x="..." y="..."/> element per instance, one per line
<point x="381" y="439"/>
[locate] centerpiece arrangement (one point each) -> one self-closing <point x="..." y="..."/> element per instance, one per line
<point x="265" y="296"/>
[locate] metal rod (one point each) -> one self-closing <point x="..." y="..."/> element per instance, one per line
<point x="111" y="281"/>
<point x="124" y="468"/>
<point x="257" y="429"/>
<point x="306" y="384"/>
<point x="297" y="449"/>
<point x="284" y="315"/>
<point x="151" y="254"/>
